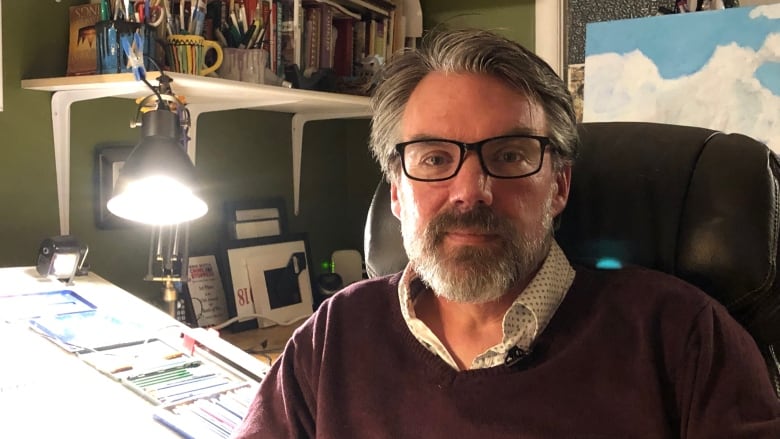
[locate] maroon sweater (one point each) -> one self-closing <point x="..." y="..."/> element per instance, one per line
<point x="629" y="354"/>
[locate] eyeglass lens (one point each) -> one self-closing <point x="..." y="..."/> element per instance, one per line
<point x="502" y="157"/>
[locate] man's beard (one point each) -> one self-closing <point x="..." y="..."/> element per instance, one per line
<point x="477" y="274"/>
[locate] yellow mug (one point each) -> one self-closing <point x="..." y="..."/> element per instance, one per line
<point x="186" y="54"/>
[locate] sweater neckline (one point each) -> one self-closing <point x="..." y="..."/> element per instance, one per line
<point x="431" y="363"/>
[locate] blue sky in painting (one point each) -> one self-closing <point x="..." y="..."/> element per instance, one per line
<point x="680" y="44"/>
<point x="715" y="69"/>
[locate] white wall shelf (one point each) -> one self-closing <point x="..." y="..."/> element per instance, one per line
<point x="203" y="94"/>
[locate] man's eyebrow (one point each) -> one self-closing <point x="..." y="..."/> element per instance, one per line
<point x="517" y="131"/>
<point x="422" y="136"/>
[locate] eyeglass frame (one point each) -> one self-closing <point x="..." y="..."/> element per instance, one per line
<point x="477" y="148"/>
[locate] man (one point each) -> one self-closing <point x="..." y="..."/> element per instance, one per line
<point x="489" y="331"/>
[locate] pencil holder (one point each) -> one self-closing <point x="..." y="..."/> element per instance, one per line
<point x="110" y="56"/>
<point x="246" y="65"/>
<point x="187" y="54"/>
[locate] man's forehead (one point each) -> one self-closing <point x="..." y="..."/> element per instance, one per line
<point x="457" y="102"/>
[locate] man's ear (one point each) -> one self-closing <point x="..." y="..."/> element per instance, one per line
<point x="561" y="195"/>
<point x="395" y="204"/>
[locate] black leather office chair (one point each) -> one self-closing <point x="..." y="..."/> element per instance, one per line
<point x="696" y="203"/>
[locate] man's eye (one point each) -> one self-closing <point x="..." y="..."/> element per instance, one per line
<point x="509" y="155"/>
<point x="436" y="159"/>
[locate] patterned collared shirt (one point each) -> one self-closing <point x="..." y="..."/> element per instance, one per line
<point x="525" y="319"/>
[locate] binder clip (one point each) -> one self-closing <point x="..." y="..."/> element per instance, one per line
<point x="134" y="49"/>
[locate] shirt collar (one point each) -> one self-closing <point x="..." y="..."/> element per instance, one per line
<point x="525" y="319"/>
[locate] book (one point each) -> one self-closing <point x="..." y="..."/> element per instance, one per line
<point x="342" y="54"/>
<point x="371" y="37"/>
<point x="250" y="6"/>
<point x="326" y="36"/>
<point x="359" y="40"/>
<point x="278" y="11"/>
<point x="312" y="38"/>
<point x="380" y="40"/>
<point x="399" y="27"/>
<point x="287" y="35"/>
<point x="82" y="41"/>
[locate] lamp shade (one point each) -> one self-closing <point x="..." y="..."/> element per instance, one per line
<point x="155" y="185"/>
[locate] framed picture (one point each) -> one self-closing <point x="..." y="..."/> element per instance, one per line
<point x="109" y="159"/>
<point x="255" y="218"/>
<point x="268" y="277"/>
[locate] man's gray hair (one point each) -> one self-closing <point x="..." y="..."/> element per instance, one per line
<point x="470" y="51"/>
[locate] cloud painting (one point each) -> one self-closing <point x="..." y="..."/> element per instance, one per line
<point x="715" y="69"/>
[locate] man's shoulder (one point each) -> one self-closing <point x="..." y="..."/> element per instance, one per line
<point x="363" y="306"/>
<point x="640" y="286"/>
<point x="376" y="291"/>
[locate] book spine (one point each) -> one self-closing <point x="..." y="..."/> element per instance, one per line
<point x="326" y="37"/>
<point x="287" y="32"/>
<point x="278" y="32"/>
<point x="390" y="27"/>
<point x="371" y="40"/>
<point x="313" y="41"/>
<point x="380" y="39"/>
<point x="359" y="49"/>
<point x="267" y="26"/>
<point x="342" y="63"/>
<point x="249" y="7"/>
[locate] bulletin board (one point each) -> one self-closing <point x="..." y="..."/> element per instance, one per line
<point x="581" y="12"/>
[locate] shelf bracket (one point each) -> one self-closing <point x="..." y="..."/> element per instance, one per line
<point x="298" y="121"/>
<point x="60" y="120"/>
<point x="197" y="109"/>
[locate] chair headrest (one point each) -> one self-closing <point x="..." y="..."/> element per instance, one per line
<point x="382" y="241"/>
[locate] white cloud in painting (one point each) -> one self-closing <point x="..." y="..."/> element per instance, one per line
<point x="768" y="11"/>
<point x="723" y="95"/>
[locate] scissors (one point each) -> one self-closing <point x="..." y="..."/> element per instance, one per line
<point x="150" y="12"/>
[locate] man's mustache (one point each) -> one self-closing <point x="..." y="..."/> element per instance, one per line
<point x="481" y="219"/>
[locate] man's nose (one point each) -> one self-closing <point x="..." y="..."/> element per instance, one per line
<point x="471" y="186"/>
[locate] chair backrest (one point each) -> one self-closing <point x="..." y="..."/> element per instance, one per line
<point x="692" y="202"/>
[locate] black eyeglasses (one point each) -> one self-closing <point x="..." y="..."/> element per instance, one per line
<point x="514" y="156"/>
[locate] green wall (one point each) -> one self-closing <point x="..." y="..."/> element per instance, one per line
<point x="240" y="155"/>
<point x="512" y="18"/>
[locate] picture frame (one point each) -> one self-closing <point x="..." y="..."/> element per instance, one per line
<point x="270" y="277"/>
<point x="109" y="159"/>
<point x="258" y="218"/>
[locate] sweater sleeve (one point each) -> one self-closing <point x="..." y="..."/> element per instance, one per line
<point x="723" y="387"/>
<point x="284" y="405"/>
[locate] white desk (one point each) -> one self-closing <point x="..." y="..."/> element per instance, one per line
<point x="47" y="392"/>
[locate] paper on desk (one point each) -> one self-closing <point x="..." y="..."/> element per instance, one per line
<point x="32" y="305"/>
<point x="89" y="330"/>
<point x="205" y="287"/>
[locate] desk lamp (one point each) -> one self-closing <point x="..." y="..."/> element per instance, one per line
<point x="155" y="186"/>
